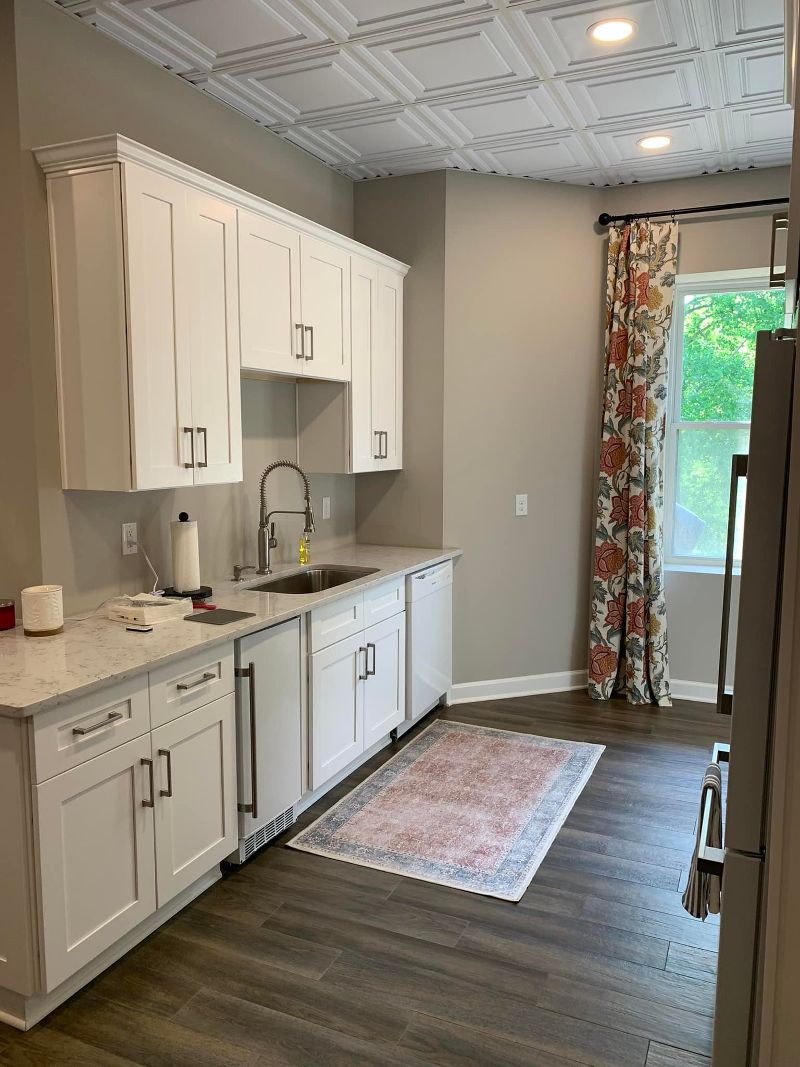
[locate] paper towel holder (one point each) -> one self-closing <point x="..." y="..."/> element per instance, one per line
<point x="203" y="592"/>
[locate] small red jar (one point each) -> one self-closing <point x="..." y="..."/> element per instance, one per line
<point x="8" y="619"/>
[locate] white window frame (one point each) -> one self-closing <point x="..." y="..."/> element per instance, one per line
<point x="722" y="281"/>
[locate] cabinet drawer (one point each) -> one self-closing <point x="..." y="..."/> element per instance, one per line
<point x="90" y="725"/>
<point x="190" y="683"/>
<point x="384" y="600"/>
<point x="333" y="622"/>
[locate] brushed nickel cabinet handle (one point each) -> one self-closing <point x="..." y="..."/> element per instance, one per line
<point x="204" y="432"/>
<point x="311" y="345"/>
<point x="208" y="676"/>
<point x="377" y="455"/>
<point x="252" y="808"/>
<point x="386" y="444"/>
<point x="363" y="677"/>
<point x="82" y="731"/>
<point x="190" y="431"/>
<point x="371" y="645"/>
<point x="301" y="353"/>
<point x="149" y="764"/>
<point x="168" y="791"/>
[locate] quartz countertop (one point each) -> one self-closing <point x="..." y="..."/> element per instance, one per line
<point x="41" y="672"/>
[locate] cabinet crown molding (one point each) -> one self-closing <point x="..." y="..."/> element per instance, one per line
<point x="72" y="157"/>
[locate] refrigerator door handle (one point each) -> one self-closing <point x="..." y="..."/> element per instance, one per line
<point x="724" y="695"/>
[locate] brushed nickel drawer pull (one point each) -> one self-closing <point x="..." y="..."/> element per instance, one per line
<point x="302" y="353"/>
<point x="149" y="764"/>
<point x="208" y="676"/>
<point x="168" y="791"/>
<point x="82" y="731"/>
<point x="311" y="345"/>
<point x="371" y="645"/>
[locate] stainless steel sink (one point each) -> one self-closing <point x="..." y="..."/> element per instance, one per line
<point x="313" y="580"/>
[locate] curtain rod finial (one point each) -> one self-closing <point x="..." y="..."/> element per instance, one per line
<point x="604" y="219"/>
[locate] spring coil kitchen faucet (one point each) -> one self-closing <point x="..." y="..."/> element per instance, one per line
<point x="266" y="534"/>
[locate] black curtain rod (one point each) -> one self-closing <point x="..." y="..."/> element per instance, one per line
<point x="605" y="218"/>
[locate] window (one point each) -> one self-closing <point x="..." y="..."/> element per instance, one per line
<point x="713" y="346"/>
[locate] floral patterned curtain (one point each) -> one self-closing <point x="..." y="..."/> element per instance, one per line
<point x="628" y="634"/>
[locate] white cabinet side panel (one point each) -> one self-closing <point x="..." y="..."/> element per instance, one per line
<point x="17" y="929"/>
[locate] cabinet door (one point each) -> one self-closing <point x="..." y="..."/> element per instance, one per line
<point x="214" y="340"/>
<point x="157" y="283"/>
<point x="275" y="655"/>
<point x="95" y="836"/>
<point x="366" y="444"/>
<point x="325" y="287"/>
<point x="269" y="296"/>
<point x="385" y="687"/>
<point x="387" y="371"/>
<point x="195" y="795"/>
<point x="337" y="707"/>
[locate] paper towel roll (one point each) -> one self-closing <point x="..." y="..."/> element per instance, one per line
<point x="185" y="555"/>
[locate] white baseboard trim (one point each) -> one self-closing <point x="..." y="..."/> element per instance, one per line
<point x="706" y="692"/>
<point x="560" y="682"/>
<point x="527" y="685"/>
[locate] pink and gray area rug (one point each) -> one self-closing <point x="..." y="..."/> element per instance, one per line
<point x="464" y="806"/>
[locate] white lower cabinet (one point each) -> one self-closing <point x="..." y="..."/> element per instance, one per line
<point x="337" y="707"/>
<point x="385" y="685"/>
<point x="95" y="836"/>
<point x="126" y="831"/>
<point x="357" y="695"/>
<point x="195" y="795"/>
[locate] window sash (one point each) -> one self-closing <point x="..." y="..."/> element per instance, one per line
<point x="691" y="285"/>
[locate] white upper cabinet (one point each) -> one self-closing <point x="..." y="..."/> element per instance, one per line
<point x="377" y="387"/>
<point x="269" y="296"/>
<point x="214" y="340"/>
<point x="325" y="289"/>
<point x="147" y="334"/>
<point x="168" y="284"/>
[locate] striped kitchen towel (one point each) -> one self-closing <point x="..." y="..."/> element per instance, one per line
<point x="703" y="890"/>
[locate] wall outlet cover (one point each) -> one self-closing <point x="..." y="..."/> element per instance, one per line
<point x="130" y="539"/>
<point x="521" y="504"/>
<point x="326" y="507"/>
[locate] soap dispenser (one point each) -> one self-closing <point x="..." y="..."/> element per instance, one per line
<point x="303" y="551"/>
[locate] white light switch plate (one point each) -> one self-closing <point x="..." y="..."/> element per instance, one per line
<point x="130" y="539"/>
<point x="521" y="505"/>
<point x="326" y="507"/>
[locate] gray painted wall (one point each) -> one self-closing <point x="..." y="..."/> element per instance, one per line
<point x="73" y="82"/>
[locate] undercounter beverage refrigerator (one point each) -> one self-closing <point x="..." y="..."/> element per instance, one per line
<point x="746" y="842"/>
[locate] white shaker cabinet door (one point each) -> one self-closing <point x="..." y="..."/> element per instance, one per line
<point x="325" y="288"/>
<point x="385" y="687"/>
<point x="269" y="296"/>
<point x="195" y="787"/>
<point x="95" y="836"/>
<point x="366" y="443"/>
<point x="387" y="371"/>
<point x="157" y="290"/>
<point x="337" y="707"/>
<point x="214" y="340"/>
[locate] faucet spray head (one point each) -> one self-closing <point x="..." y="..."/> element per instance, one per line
<point x="309" y="518"/>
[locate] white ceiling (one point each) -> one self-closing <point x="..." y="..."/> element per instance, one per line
<point x="378" y="87"/>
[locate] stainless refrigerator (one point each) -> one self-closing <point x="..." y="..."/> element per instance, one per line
<point x="752" y="704"/>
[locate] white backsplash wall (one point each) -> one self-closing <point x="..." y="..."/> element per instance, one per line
<point x="88" y="559"/>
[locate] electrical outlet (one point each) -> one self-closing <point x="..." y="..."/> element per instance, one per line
<point x="326" y="507"/>
<point x="521" y="506"/>
<point x="130" y="539"/>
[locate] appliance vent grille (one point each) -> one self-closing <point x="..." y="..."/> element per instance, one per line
<point x="264" y="834"/>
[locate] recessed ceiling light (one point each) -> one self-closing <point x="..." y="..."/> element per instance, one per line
<point x="611" y="31"/>
<point x="654" y="142"/>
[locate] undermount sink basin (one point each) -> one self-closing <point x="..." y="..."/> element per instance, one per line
<point x="313" y="580"/>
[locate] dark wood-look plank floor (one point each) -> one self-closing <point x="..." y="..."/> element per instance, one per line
<point x="295" y="960"/>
